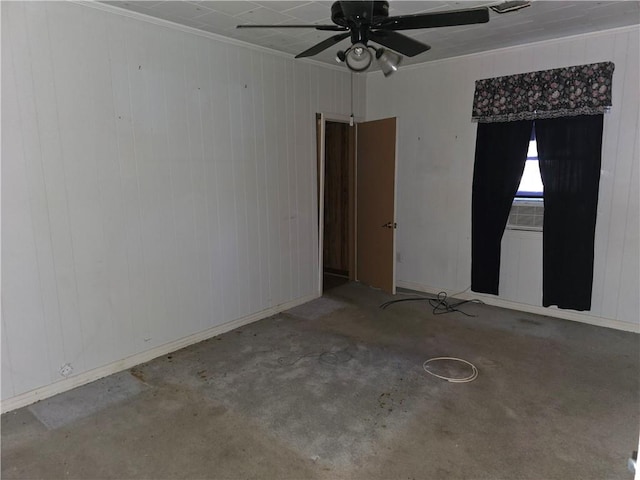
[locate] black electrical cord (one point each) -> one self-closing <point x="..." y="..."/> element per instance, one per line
<point x="439" y="304"/>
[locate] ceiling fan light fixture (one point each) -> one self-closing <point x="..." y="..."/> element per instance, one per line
<point x="368" y="20"/>
<point x="388" y="61"/>
<point x="358" y="57"/>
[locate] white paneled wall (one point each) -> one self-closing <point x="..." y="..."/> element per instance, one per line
<point x="156" y="183"/>
<point x="435" y="168"/>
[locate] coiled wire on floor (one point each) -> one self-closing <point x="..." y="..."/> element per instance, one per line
<point x="470" y="378"/>
<point x="439" y="303"/>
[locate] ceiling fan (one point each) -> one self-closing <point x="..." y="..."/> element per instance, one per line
<point x="366" y="21"/>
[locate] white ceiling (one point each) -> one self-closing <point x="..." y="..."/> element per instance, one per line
<point x="543" y="20"/>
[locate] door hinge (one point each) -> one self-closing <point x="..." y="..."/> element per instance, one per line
<point x="390" y="225"/>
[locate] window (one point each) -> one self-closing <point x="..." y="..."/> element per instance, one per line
<point x="527" y="211"/>
<point x="531" y="182"/>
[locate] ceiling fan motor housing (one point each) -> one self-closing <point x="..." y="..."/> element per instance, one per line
<point x="359" y="16"/>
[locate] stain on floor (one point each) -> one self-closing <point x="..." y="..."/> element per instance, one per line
<point x="336" y="389"/>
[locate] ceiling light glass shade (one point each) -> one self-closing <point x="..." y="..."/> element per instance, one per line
<point x="358" y="57"/>
<point x="388" y="61"/>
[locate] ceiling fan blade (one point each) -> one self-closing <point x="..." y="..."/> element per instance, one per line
<point x="323" y="45"/>
<point x="436" y="19"/>
<point x="331" y="28"/>
<point x="398" y="42"/>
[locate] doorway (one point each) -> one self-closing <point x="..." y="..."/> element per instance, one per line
<point x="338" y="205"/>
<point x="356" y="202"/>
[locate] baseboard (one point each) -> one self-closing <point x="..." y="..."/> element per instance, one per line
<point x="83" y="378"/>
<point x="522" y="307"/>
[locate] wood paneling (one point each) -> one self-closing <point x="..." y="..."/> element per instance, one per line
<point x="155" y="183"/>
<point x="435" y="167"/>
<point x="336" y="198"/>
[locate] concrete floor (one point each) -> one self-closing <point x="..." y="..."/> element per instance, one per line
<point x="335" y="389"/>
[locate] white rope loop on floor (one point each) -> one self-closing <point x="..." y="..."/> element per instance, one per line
<point x="470" y="378"/>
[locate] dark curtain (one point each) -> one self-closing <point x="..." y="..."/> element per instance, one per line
<point x="569" y="152"/>
<point x="501" y="152"/>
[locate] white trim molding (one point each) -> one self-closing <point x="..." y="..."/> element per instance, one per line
<point x="202" y="33"/>
<point x="83" y="378"/>
<point x="505" y="50"/>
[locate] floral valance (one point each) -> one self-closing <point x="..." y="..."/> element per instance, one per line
<point x="561" y="92"/>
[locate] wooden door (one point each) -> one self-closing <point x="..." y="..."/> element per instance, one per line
<point x="375" y="204"/>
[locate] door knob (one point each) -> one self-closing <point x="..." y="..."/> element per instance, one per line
<point x="390" y="225"/>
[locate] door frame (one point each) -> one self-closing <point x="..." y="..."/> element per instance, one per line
<point x="320" y="161"/>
